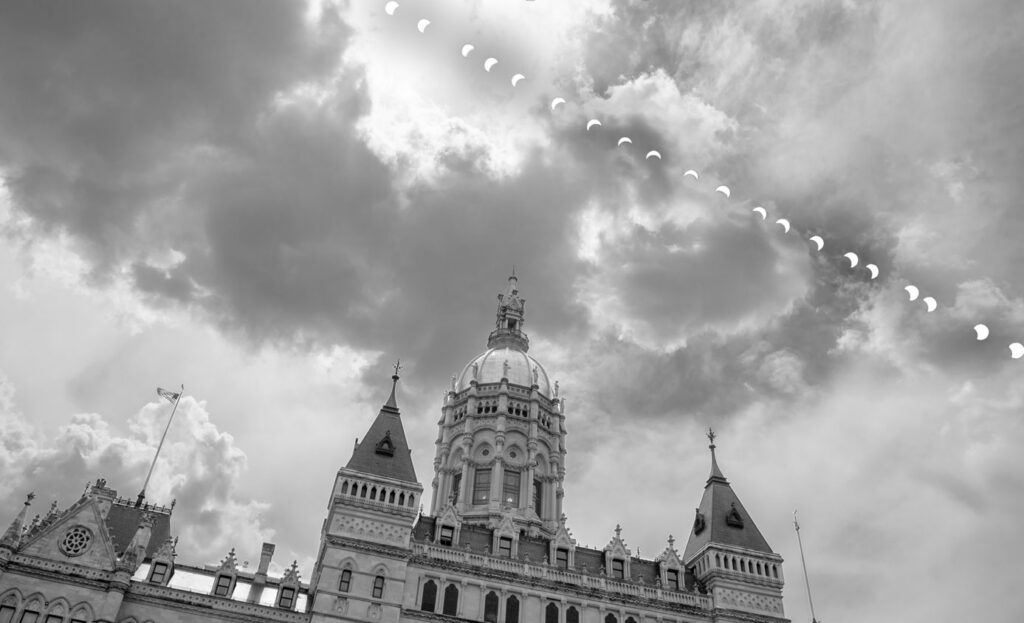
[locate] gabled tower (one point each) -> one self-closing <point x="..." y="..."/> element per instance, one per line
<point x="360" y="570"/>
<point x="501" y="440"/>
<point x="729" y="556"/>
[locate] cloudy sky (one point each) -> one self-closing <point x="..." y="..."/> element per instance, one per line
<point x="270" y="202"/>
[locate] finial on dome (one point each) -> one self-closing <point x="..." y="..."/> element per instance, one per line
<point x="394" y="383"/>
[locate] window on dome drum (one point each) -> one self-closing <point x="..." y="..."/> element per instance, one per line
<point x="512" y="610"/>
<point x="456" y="487"/>
<point x="618" y="568"/>
<point x="673" y="579"/>
<point x="29" y="616"/>
<point x="562" y="558"/>
<point x="481" y="486"/>
<point x="610" y="618"/>
<point x="451" y="599"/>
<point x="538" y="496"/>
<point x="505" y="547"/>
<point x="551" y="613"/>
<point x="378" y="587"/>
<point x="630" y="620"/>
<point x="572" y="615"/>
<point x="6" y="614"/>
<point x="491" y="608"/>
<point x="159" y="572"/>
<point x="346" y="581"/>
<point x="447" y="535"/>
<point x="287" y="598"/>
<point x="223" y="585"/>
<point x="510" y="490"/>
<point x="429" y="596"/>
<point x="54" y="618"/>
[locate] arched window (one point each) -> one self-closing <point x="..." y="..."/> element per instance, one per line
<point x="734" y="564"/>
<point x="758" y="568"/>
<point x="491" y="608"/>
<point x="572" y="615"/>
<point x="512" y="609"/>
<point x="718" y="561"/>
<point x="630" y="620"/>
<point x="412" y="500"/>
<point x="345" y="583"/>
<point x="362" y="493"/>
<point x="451" y="599"/>
<point x="378" y="587"/>
<point x="775" y="572"/>
<point x="391" y="498"/>
<point x="610" y="618"/>
<point x="401" y="499"/>
<point x="373" y="493"/>
<point x="344" y="488"/>
<point x="429" y="600"/>
<point x="743" y="565"/>
<point x="30" y="614"/>
<point x="551" y="613"/>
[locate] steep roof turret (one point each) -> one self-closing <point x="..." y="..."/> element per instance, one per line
<point x="384" y="450"/>
<point x="721" y="518"/>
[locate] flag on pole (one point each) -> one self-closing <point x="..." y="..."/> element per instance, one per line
<point x="169" y="395"/>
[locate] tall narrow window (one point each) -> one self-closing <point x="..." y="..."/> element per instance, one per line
<point x="447" y="535"/>
<point x="510" y="490"/>
<point x="481" y="486"/>
<point x="287" y="598"/>
<point x="572" y="615"/>
<point x="512" y="609"/>
<point x="618" y="568"/>
<point x="378" y="587"/>
<point x="673" y="579"/>
<point x="223" y="585"/>
<point x="346" y="581"/>
<point x="456" y="487"/>
<point x="451" y="599"/>
<point x="538" y="497"/>
<point x="29" y="616"/>
<point x="491" y="608"/>
<point x="505" y="547"/>
<point x="54" y="618"/>
<point x="562" y="558"/>
<point x="551" y="613"/>
<point x="429" y="596"/>
<point x="6" y="614"/>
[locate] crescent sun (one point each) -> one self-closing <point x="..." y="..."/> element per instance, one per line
<point x="784" y="223"/>
<point x="818" y="242"/>
<point x="724" y="190"/>
<point x="466" y="49"/>
<point x="761" y="211"/>
<point x="555" y="102"/>
<point x="854" y="260"/>
<point x="489" y="63"/>
<point x="912" y="292"/>
<point x="873" y="269"/>
<point x="981" y="331"/>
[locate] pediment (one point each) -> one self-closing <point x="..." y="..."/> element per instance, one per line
<point x="449" y="517"/>
<point x="79" y="536"/>
<point x="506" y="527"/>
<point x="562" y="537"/>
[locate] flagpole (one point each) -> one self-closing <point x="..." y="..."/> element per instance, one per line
<point x="803" y="564"/>
<point x="142" y="494"/>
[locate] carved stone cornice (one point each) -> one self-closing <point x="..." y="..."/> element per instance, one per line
<point x="398" y="553"/>
<point x="202" y="604"/>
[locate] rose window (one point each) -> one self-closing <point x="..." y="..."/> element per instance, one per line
<point x="76" y="540"/>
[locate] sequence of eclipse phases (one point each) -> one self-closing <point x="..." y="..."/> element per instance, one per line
<point x="981" y="330"/>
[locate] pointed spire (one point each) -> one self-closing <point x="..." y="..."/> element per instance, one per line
<point x="12" y="537"/>
<point x="508" y="326"/>
<point x="716" y="473"/>
<point x="394" y="384"/>
<point x="384" y="450"/>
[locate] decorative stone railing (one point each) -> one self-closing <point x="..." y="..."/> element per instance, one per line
<point x="566" y="576"/>
<point x="222" y="604"/>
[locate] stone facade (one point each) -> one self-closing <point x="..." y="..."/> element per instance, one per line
<point x="494" y="547"/>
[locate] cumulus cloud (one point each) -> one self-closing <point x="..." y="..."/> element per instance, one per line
<point x="199" y="467"/>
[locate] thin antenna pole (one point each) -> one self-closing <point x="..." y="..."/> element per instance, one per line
<point x="803" y="564"/>
<point x="142" y="494"/>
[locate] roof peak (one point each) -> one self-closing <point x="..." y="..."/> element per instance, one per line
<point x="391" y="402"/>
<point x="716" y="473"/>
<point x="384" y="450"/>
<point x="508" y="327"/>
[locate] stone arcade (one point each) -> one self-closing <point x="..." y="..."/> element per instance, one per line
<point x="494" y="548"/>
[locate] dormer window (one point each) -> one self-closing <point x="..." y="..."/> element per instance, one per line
<point x="673" y="579"/>
<point x="287" y="598"/>
<point x="733" y="518"/>
<point x="222" y="587"/>
<point x="158" y="574"/>
<point x="618" y="568"/>
<point x="447" y="535"/>
<point x="505" y="547"/>
<point x="385" y="446"/>
<point x="562" y="558"/>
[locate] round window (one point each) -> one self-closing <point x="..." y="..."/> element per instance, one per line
<point x="76" y="541"/>
<point x="486" y="452"/>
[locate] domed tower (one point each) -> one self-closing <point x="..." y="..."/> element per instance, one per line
<point x="501" y="439"/>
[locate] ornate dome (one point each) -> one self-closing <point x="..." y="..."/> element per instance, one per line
<point x="490" y="368"/>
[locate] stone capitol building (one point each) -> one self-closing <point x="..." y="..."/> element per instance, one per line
<point x="494" y="547"/>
